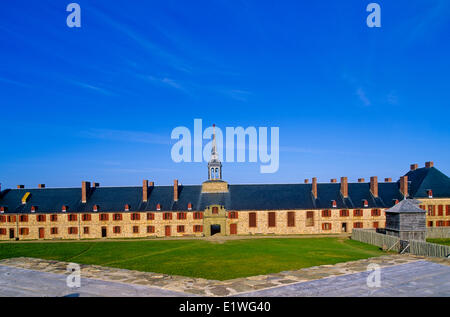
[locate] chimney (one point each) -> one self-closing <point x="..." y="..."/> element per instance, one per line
<point x="388" y="180"/>
<point x="95" y="185"/>
<point x="414" y="167"/>
<point x="404" y="186"/>
<point x="429" y="164"/>
<point x="374" y="186"/>
<point x="175" y="190"/>
<point x="344" y="187"/>
<point x="20" y="186"/>
<point x="314" y="187"/>
<point x="306" y="181"/>
<point x="361" y="180"/>
<point x="144" y="190"/>
<point x="333" y="180"/>
<point x="85" y="189"/>
<point x="41" y="185"/>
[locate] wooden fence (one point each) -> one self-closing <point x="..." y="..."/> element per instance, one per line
<point x="394" y="244"/>
<point x="438" y="233"/>
<point x="428" y="249"/>
<point x="378" y="239"/>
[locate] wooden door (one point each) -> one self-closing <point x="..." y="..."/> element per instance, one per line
<point x="233" y="228"/>
<point x="167" y="231"/>
<point x="41" y="233"/>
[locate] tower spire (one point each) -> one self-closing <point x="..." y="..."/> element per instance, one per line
<point x="214" y="165"/>
<point x="214" y="155"/>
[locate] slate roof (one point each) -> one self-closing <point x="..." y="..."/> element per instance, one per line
<point x="423" y="179"/>
<point x="239" y="197"/>
<point x="406" y="206"/>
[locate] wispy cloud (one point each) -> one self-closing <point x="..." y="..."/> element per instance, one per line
<point x="13" y="82"/>
<point x="92" y="87"/>
<point x="166" y="81"/>
<point x="433" y="17"/>
<point x="137" y="170"/>
<point x="363" y="97"/>
<point x="151" y="47"/>
<point x="126" y="136"/>
<point x="295" y="149"/>
<point x="237" y="94"/>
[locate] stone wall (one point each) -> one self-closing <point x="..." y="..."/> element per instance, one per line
<point x="321" y="224"/>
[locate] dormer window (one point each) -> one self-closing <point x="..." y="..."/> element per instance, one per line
<point x="430" y="193"/>
<point x="333" y="204"/>
<point x="64" y="208"/>
<point x="158" y="207"/>
<point x="95" y="208"/>
<point x="33" y="208"/>
<point x="127" y="207"/>
<point x="365" y="203"/>
<point x="189" y="206"/>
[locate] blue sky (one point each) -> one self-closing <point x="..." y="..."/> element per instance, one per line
<point x="99" y="103"/>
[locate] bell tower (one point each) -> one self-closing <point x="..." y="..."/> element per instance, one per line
<point x="214" y="164"/>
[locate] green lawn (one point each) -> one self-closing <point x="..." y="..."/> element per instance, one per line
<point x="198" y="258"/>
<point x="439" y="241"/>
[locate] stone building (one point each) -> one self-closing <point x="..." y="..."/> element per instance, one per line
<point x="216" y="207"/>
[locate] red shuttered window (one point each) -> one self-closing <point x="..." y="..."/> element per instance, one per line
<point x="104" y="217"/>
<point x="135" y="216"/>
<point x="252" y="220"/>
<point x="198" y="215"/>
<point x="167" y="216"/>
<point x="272" y="219"/>
<point x="326" y="226"/>
<point x="310" y="218"/>
<point x="440" y="210"/>
<point x="198" y="228"/>
<point x="291" y="219"/>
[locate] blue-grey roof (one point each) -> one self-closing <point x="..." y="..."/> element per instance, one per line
<point x="406" y="206"/>
<point x="239" y="197"/>
<point x="424" y="179"/>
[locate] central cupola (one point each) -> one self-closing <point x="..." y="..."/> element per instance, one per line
<point x="214" y="184"/>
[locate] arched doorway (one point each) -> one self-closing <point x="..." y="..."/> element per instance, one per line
<point x="215" y="229"/>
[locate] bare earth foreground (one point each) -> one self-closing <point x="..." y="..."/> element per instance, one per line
<point x="401" y="275"/>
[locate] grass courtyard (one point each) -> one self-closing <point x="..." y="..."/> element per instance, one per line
<point x="200" y="258"/>
<point x="439" y="241"/>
